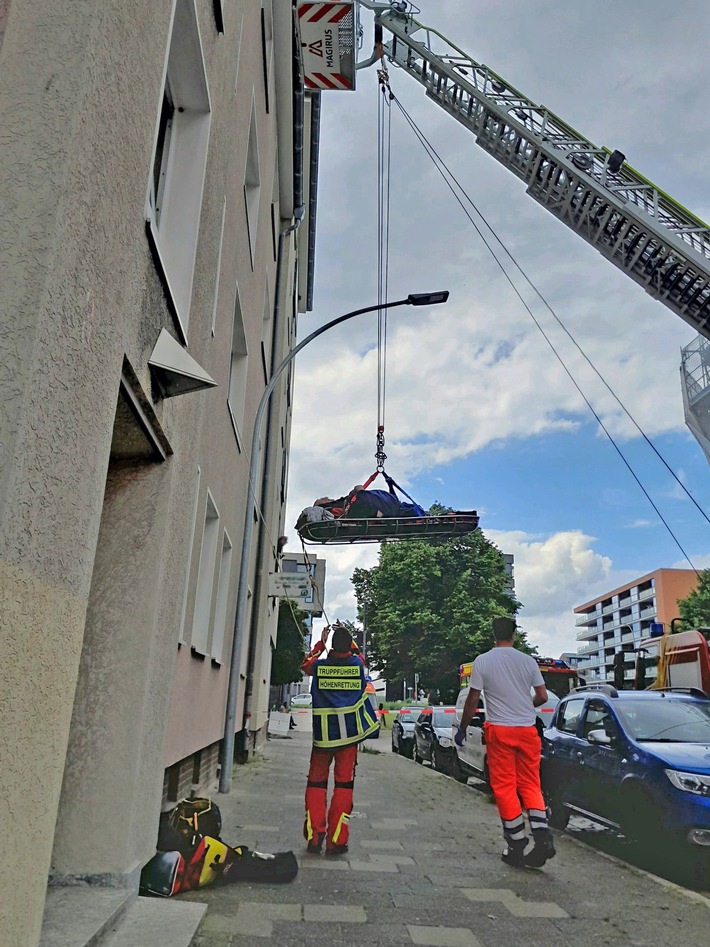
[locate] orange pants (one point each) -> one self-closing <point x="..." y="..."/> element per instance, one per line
<point x="341" y="803"/>
<point x="514" y="770"/>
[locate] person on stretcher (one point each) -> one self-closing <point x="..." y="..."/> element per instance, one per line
<point x="368" y="504"/>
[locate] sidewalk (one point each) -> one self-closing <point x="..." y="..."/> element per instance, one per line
<point x="424" y="868"/>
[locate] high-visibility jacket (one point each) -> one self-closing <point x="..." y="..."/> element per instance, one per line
<point x="342" y="711"/>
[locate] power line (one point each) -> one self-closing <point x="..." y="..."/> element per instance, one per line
<point x="444" y="171"/>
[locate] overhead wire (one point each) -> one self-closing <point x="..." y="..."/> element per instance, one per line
<point x="384" y="166"/>
<point x="448" y="177"/>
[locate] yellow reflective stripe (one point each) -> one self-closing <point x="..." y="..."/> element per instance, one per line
<point x="339" y="712"/>
<point x="309" y="826"/>
<point x="344" y="818"/>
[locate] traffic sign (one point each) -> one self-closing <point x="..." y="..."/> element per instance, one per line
<point x="289" y="584"/>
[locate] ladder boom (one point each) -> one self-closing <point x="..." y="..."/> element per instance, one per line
<point x="640" y="229"/>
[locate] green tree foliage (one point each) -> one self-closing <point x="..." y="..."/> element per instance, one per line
<point x="290" y="650"/>
<point x="429" y="607"/>
<point x="695" y="608"/>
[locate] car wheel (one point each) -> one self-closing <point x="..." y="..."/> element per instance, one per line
<point x="415" y="753"/>
<point x="394" y="748"/>
<point x="486" y="772"/>
<point x="456" y="770"/>
<point x="558" y="815"/>
<point x="435" y="763"/>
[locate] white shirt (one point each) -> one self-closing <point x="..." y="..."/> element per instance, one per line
<point x="506" y="675"/>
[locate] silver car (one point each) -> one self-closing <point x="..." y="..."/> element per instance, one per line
<point x="470" y="759"/>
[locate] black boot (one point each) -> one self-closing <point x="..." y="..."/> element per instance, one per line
<point x="543" y="849"/>
<point x="514" y="852"/>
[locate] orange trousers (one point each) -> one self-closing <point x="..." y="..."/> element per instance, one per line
<point x="341" y="803"/>
<point x="514" y="769"/>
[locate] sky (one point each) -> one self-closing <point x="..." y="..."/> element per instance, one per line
<point x="479" y="412"/>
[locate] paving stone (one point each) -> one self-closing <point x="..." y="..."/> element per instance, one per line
<point x="374" y="866"/>
<point x="340" y="913"/>
<point x="442" y="936"/>
<point x="516" y="905"/>
<point x="381" y="858"/>
<point x="380" y="843"/>
<point x="324" y="864"/>
<point x="397" y="825"/>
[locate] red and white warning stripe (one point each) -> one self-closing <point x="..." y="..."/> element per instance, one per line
<point x="327" y="12"/>
<point x="316" y="80"/>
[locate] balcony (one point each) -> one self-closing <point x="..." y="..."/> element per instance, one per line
<point x="586" y="618"/>
<point x="647" y="593"/>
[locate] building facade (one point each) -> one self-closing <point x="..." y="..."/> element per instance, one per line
<point x="621" y="618"/>
<point x="156" y="246"/>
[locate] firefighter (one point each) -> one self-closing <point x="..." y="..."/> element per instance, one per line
<point x="343" y="716"/>
<point x="506" y="676"/>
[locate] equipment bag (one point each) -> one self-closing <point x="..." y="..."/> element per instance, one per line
<point x="193" y="817"/>
<point x="248" y="865"/>
<point x="163" y="874"/>
<point x="206" y="864"/>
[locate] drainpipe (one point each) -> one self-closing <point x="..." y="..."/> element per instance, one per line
<point x="263" y="498"/>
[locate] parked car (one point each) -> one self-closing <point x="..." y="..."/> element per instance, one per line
<point x="471" y="759"/>
<point x="637" y="761"/>
<point x="372" y="697"/>
<point x="432" y="737"/>
<point x="301" y="700"/>
<point x="403" y="730"/>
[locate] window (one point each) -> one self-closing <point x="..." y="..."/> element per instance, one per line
<point x="219" y="269"/>
<point x="186" y="587"/>
<point x="266" y="334"/>
<point x="569" y="714"/>
<point x="236" y="395"/>
<point x="252" y="184"/>
<point x="598" y="717"/>
<point x="177" y="176"/>
<point x="267" y="43"/>
<point x="205" y="579"/>
<point x="223" y="584"/>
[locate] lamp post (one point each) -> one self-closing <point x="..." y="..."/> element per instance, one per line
<point x="414" y="299"/>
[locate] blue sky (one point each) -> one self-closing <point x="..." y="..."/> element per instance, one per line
<point x="479" y="412"/>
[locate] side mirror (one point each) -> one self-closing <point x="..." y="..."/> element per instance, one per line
<point x="599" y="737"/>
<point x="477" y="720"/>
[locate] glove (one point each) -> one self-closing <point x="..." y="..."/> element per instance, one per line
<point x="460" y="737"/>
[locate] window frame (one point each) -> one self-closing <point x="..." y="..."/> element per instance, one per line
<point x="173" y="205"/>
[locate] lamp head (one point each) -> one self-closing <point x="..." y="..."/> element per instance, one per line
<point x="427" y="299"/>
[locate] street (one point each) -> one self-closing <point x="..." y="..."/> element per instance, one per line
<point x="424" y="868"/>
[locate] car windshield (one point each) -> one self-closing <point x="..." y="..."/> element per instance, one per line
<point x="666" y="720"/>
<point x="443" y="718"/>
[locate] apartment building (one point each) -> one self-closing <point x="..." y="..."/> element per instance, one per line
<point x="156" y="246"/>
<point x="623" y="617"/>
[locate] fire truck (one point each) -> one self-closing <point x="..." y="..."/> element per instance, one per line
<point x="558" y="676"/>
<point x="674" y="659"/>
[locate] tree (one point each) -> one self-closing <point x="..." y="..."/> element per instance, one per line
<point x="695" y="608"/>
<point x="430" y="605"/>
<point x="290" y="650"/>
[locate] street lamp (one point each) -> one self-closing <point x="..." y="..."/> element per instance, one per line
<point x="414" y="299"/>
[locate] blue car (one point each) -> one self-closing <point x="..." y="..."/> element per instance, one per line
<point x="636" y="761"/>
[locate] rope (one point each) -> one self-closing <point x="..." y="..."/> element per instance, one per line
<point x="384" y="165"/>
<point x="449" y="177"/>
